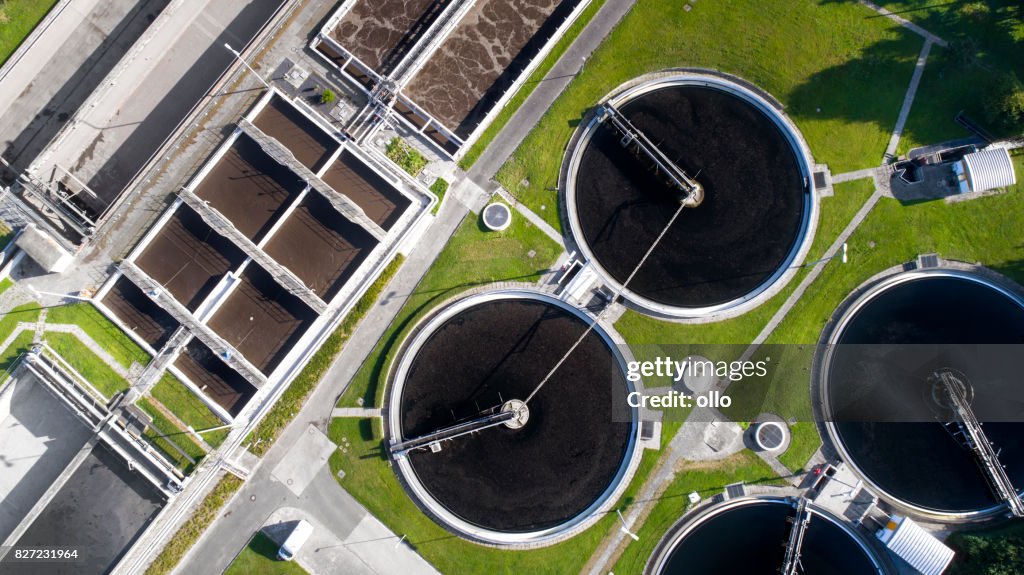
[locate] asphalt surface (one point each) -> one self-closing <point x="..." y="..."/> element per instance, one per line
<point x="245" y="515"/>
<point x="100" y="510"/>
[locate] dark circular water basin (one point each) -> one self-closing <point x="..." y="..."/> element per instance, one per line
<point x="890" y="414"/>
<point x="513" y="483"/>
<point x="748" y="229"/>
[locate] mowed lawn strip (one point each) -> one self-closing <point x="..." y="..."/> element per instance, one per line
<point x="840" y="74"/>
<point x="24" y="313"/>
<point x="473" y="257"/>
<point x="104" y="332"/>
<point x="371" y="480"/>
<point x="193" y="528"/>
<point x="176" y="397"/>
<point x="17" y="20"/>
<point x="19" y="346"/>
<point x="164" y="434"/>
<point x="88" y="364"/>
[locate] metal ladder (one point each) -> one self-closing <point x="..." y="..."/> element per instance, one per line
<point x="798" y="528"/>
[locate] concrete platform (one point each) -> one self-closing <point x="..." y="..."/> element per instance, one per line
<point x="69" y="60"/>
<point x="370" y="548"/>
<point x="305" y="459"/>
<point x="39" y="437"/>
<point x="127" y="120"/>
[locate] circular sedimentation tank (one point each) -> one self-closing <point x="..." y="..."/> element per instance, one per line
<point x="881" y="392"/>
<point x="567" y="453"/>
<point x="749" y="222"/>
<point x="749" y="535"/>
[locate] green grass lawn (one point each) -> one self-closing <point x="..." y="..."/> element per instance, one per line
<point x="810" y="55"/>
<point x="162" y="433"/>
<point x="370" y="479"/>
<point x="87" y="363"/>
<point x="101" y="330"/>
<point x="21" y="344"/>
<point x="983" y="47"/>
<point x="529" y="85"/>
<point x="706" y="478"/>
<point x="183" y="403"/>
<point x="260" y="558"/>
<point x="24" y="313"/>
<point x="6" y="284"/>
<point x="805" y="441"/>
<point x="473" y="257"/>
<point x="17" y="20"/>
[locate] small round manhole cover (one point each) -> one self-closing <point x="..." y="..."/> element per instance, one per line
<point x="497" y="217"/>
<point x="770" y="435"/>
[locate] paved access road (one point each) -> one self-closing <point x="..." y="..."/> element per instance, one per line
<point x="329" y="503"/>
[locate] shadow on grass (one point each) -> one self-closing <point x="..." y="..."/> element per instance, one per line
<point x="883" y="68"/>
<point x="399" y="330"/>
<point x="1013" y="269"/>
<point x="263" y="546"/>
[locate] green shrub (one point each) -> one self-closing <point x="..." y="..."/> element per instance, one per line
<point x="1005" y="106"/>
<point x="407" y="157"/>
<point x="439" y="187"/>
<point x="327" y="96"/>
<point x="997" y="551"/>
<point x="976" y="11"/>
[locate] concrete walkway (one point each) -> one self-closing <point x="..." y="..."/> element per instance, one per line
<point x="532" y="217"/>
<point x="908" y="99"/>
<point x="855" y="175"/>
<point x="813" y="275"/>
<point x="905" y="23"/>
<point x="357" y="412"/>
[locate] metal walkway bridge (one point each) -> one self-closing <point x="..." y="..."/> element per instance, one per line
<point x="691" y="192"/>
<point x="491" y="418"/>
<point x="974" y="438"/>
<point x="797" y="530"/>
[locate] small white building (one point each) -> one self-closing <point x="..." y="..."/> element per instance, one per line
<point x="920" y="549"/>
<point x="985" y="170"/>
